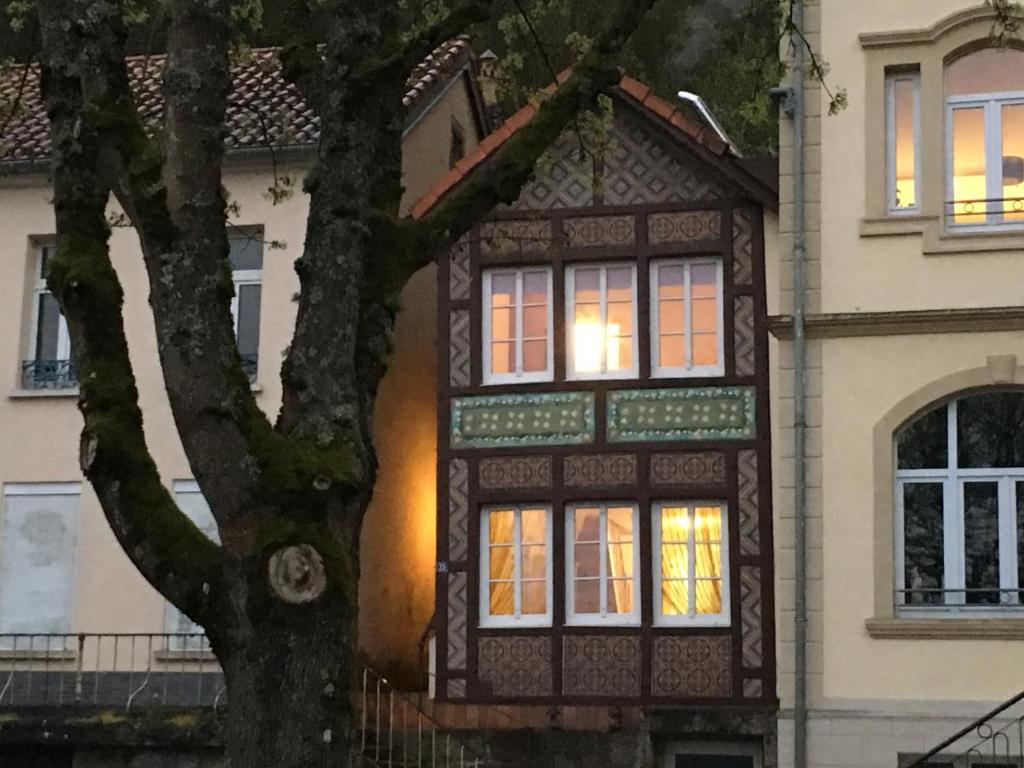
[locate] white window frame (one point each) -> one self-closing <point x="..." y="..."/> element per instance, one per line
<point x="53" y="489"/>
<point x="991" y="104"/>
<point x="240" y="277"/>
<point x="603" y="618"/>
<point x="717" y="748"/>
<point x="694" y="619"/>
<point x="39" y="289"/>
<point x="689" y="370"/>
<point x="571" y="374"/>
<point x="891" y="79"/>
<point x="517" y="619"/>
<point x="176" y="640"/>
<point x="519" y="376"/>
<point x="954" y="566"/>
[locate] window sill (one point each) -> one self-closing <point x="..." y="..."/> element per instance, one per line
<point x="28" y="394"/>
<point x="946" y="629"/>
<point x="895" y="225"/>
<point x="170" y="657"/>
<point x="41" y="654"/>
<point x="942" y="244"/>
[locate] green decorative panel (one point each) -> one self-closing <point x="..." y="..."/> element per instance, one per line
<point x="708" y="413"/>
<point x="505" y="421"/>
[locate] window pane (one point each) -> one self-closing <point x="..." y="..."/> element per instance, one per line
<point x="502" y="566"/>
<point x="923" y="444"/>
<point x="246" y="251"/>
<point x="502" y="599"/>
<point x="48" y="327"/>
<point x="990" y="430"/>
<point x="905" y="187"/>
<point x="620" y="319"/>
<point x="620" y="596"/>
<point x="249" y="320"/>
<point x="709" y="596"/>
<point x="671" y="317"/>
<point x="587" y="521"/>
<point x="503" y="324"/>
<point x="705" y="349"/>
<point x="969" y="190"/>
<point x="587" y="559"/>
<point x="620" y="524"/>
<point x="501" y="524"/>
<point x="503" y="290"/>
<point x="620" y="353"/>
<point x="981" y="543"/>
<point x="707" y="524"/>
<point x="1013" y="162"/>
<point x="588" y="285"/>
<point x="620" y="561"/>
<point x="535" y="288"/>
<point x="1019" y="493"/>
<point x="503" y="357"/>
<point x="675" y="598"/>
<point x="990" y="70"/>
<point x="703" y="281"/>
<point x="620" y="284"/>
<point x="534" y="526"/>
<point x="675" y="524"/>
<point x="704" y="315"/>
<point x="672" y="351"/>
<point x="535" y="356"/>
<point x="534" y="598"/>
<point x="922" y="543"/>
<point x="535" y="322"/>
<point x="534" y="562"/>
<point x="587" y="596"/>
<point x="670" y="282"/>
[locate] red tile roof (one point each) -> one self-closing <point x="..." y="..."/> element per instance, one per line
<point x="628" y="87"/>
<point x="262" y="107"/>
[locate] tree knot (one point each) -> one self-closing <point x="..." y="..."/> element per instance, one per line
<point x="297" y="574"/>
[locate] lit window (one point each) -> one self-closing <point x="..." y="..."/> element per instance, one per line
<point x="960" y="506"/>
<point x="517" y="326"/>
<point x="985" y="102"/>
<point x="690" y="558"/>
<point x="247" y="275"/>
<point x="601" y="564"/>
<point x="686" y="318"/>
<point x="49" y="365"/>
<point x="601" y="322"/>
<point x="515" y="566"/>
<point x="903" y="130"/>
<point x="37" y="561"/>
<point x="185" y="634"/>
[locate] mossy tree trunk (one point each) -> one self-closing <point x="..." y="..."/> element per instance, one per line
<point x="278" y="597"/>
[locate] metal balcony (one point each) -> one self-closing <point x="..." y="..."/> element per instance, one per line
<point x="48" y="374"/>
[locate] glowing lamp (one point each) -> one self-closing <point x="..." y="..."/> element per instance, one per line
<point x="591" y="343"/>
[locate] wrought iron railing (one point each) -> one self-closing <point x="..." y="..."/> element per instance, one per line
<point x="48" y="374"/>
<point x="983" y="211"/>
<point x="931" y="599"/>
<point x="994" y="740"/>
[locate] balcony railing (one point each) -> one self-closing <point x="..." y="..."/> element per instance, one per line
<point x="993" y="211"/>
<point x="994" y="740"/>
<point x="48" y="374"/>
<point x="936" y="599"/>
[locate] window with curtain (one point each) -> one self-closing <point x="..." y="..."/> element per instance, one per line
<point x="517" y="321"/>
<point x="690" y="563"/>
<point x="960" y="506"/>
<point x="247" y="274"/>
<point x="515" y="566"/>
<point x="601" y="321"/>
<point x="985" y="134"/>
<point x="185" y="634"/>
<point x="38" y="541"/>
<point x="903" y="140"/>
<point x="686" y="318"/>
<point x="601" y="564"/>
<point x="49" y="363"/>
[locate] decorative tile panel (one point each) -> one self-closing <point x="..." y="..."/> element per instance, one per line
<point x="502" y="421"/>
<point x="590" y="231"/>
<point x="458" y="270"/>
<point x="743" y="334"/>
<point x="750" y="518"/>
<point x="753" y="688"/>
<point x="516" y="666"/>
<point x="457" y="620"/>
<point x="600" y="470"/>
<point x="515" y="236"/>
<point x="459" y="349"/>
<point x="509" y="472"/>
<point x="707" y="413"/>
<point x="458" y="509"/>
<point x="601" y="666"/>
<point x="567" y="182"/>
<point x="457" y="689"/>
<point x="684" y="226"/>
<point x="697" y="468"/>
<point x="743" y="246"/>
<point x="692" y="667"/>
<point x="750" y="616"/>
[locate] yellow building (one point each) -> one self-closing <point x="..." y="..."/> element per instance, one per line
<point x="910" y="498"/>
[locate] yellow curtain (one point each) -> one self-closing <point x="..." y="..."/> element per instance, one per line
<point x="502" y="566"/>
<point x="675" y="533"/>
<point x="708" y="543"/>
<point x="620" y="560"/>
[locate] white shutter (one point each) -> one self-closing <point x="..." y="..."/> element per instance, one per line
<point x="37" y="559"/>
<point x="190" y="501"/>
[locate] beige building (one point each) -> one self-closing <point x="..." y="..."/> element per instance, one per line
<point x="61" y="570"/>
<point x="914" y="476"/>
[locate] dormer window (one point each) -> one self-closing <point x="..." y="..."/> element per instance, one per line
<point x="985" y="130"/>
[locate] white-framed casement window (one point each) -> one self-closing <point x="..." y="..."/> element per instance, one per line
<point x="903" y="141"/>
<point x="247" y="274"/>
<point x="515" y="566"/>
<point x="183" y="633"/>
<point x="960" y="507"/>
<point x="691" y="563"/>
<point x="687" y="318"/>
<point x="48" y="365"/>
<point x="985" y="139"/>
<point x="38" y="549"/>
<point x="602" y="565"/>
<point x="601" y="321"/>
<point x="517" y="323"/>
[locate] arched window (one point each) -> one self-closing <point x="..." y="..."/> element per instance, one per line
<point x="960" y="506"/>
<point x="985" y="130"/>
